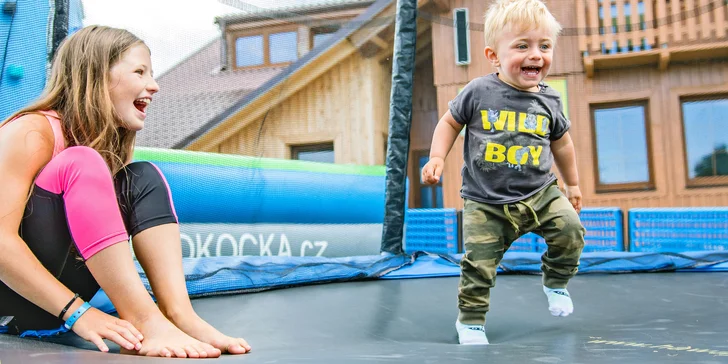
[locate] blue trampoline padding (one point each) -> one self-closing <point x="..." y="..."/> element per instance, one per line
<point x="592" y="262"/>
<point x="428" y="266"/>
<point x="227" y="194"/>
<point x="235" y="274"/>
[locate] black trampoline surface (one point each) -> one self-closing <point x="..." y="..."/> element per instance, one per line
<point x="619" y="318"/>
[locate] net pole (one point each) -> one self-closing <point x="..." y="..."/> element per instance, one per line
<point x="400" y="120"/>
<point x="59" y="30"/>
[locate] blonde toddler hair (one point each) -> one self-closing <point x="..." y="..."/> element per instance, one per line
<point x="518" y="15"/>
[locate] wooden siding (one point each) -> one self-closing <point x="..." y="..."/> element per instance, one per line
<point x="424" y="108"/>
<point x="345" y="105"/>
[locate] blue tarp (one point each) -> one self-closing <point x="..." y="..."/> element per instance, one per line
<point x="235" y="274"/>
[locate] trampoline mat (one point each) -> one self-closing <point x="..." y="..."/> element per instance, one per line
<point x="629" y="318"/>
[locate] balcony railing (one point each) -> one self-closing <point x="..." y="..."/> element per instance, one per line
<point x="655" y="28"/>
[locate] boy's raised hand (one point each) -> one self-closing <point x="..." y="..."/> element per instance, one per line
<point x="432" y="170"/>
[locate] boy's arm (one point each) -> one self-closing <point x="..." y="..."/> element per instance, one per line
<point x="565" y="158"/>
<point x="446" y="132"/>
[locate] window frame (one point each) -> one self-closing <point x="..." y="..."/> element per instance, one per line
<point x="266" y="46"/>
<point x="648" y="185"/>
<point x="697" y="182"/>
<point x="321" y="29"/>
<point x="313" y="147"/>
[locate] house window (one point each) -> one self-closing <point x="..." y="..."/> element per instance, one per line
<point x="266" y="49"/>
<point x="322" y="152"/>
<point x="283" y="47"/>
<point x="706" y="140"/>
<point x="321" y="34"/>
<point x="426" y="196"/>
<point x="621" y="147"/>
<point x="462" y="36"/>
<point x="249" y="51"/>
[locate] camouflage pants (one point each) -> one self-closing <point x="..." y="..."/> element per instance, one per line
<point x="488" y="232"/>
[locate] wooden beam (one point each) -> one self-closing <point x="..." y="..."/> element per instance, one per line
<point x="589" y="66"/>
<point x="664" y="60"/>
<point x="659" y="57"/>
<point x="341" y="16"/>
<point x="422" y="41"/>
<point x="581" y="24"/>
<point x="372" y="28"/>
<point x="379" y="42"/>
<point x="421" y="3"/>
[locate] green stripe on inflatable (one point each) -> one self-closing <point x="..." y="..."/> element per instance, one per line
<point x="214" y="159"/>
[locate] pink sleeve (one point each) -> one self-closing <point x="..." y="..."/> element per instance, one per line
<point x="82" y="177"/>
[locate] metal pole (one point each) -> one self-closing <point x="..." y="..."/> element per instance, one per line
<point x="400" y="120"/>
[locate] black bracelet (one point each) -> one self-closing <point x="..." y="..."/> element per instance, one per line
<point x="68" y="306"/>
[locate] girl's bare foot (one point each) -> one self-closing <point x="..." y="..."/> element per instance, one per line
<point x="162" y="338"/>
<point x="195" y="326"/>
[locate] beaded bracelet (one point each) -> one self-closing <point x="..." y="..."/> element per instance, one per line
<point x="72" y="320"/>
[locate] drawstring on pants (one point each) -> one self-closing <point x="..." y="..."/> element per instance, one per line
<point x="513" y="222"/>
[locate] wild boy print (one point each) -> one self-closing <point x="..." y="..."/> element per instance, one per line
<point x="515" y="156"/>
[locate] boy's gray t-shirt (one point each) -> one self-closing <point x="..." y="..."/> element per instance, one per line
<point x="507" y="139"/>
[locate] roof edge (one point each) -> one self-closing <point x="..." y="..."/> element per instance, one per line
<point x="290" y="12"/>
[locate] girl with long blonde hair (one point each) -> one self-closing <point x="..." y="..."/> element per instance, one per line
<point x="72" y="199"/>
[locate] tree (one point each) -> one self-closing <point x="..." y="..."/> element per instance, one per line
<point x="713" y="164"/>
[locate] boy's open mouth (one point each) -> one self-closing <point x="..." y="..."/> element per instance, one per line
<point x="531" y="71"/>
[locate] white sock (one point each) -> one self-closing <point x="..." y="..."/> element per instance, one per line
<point x="559" y="301"/>
<point x="471" y="334"/>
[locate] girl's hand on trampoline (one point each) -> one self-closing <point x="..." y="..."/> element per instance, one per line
<point x="94" y="326"/>
<point x="573" y="193"/>
<point x="432" y="171"/>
